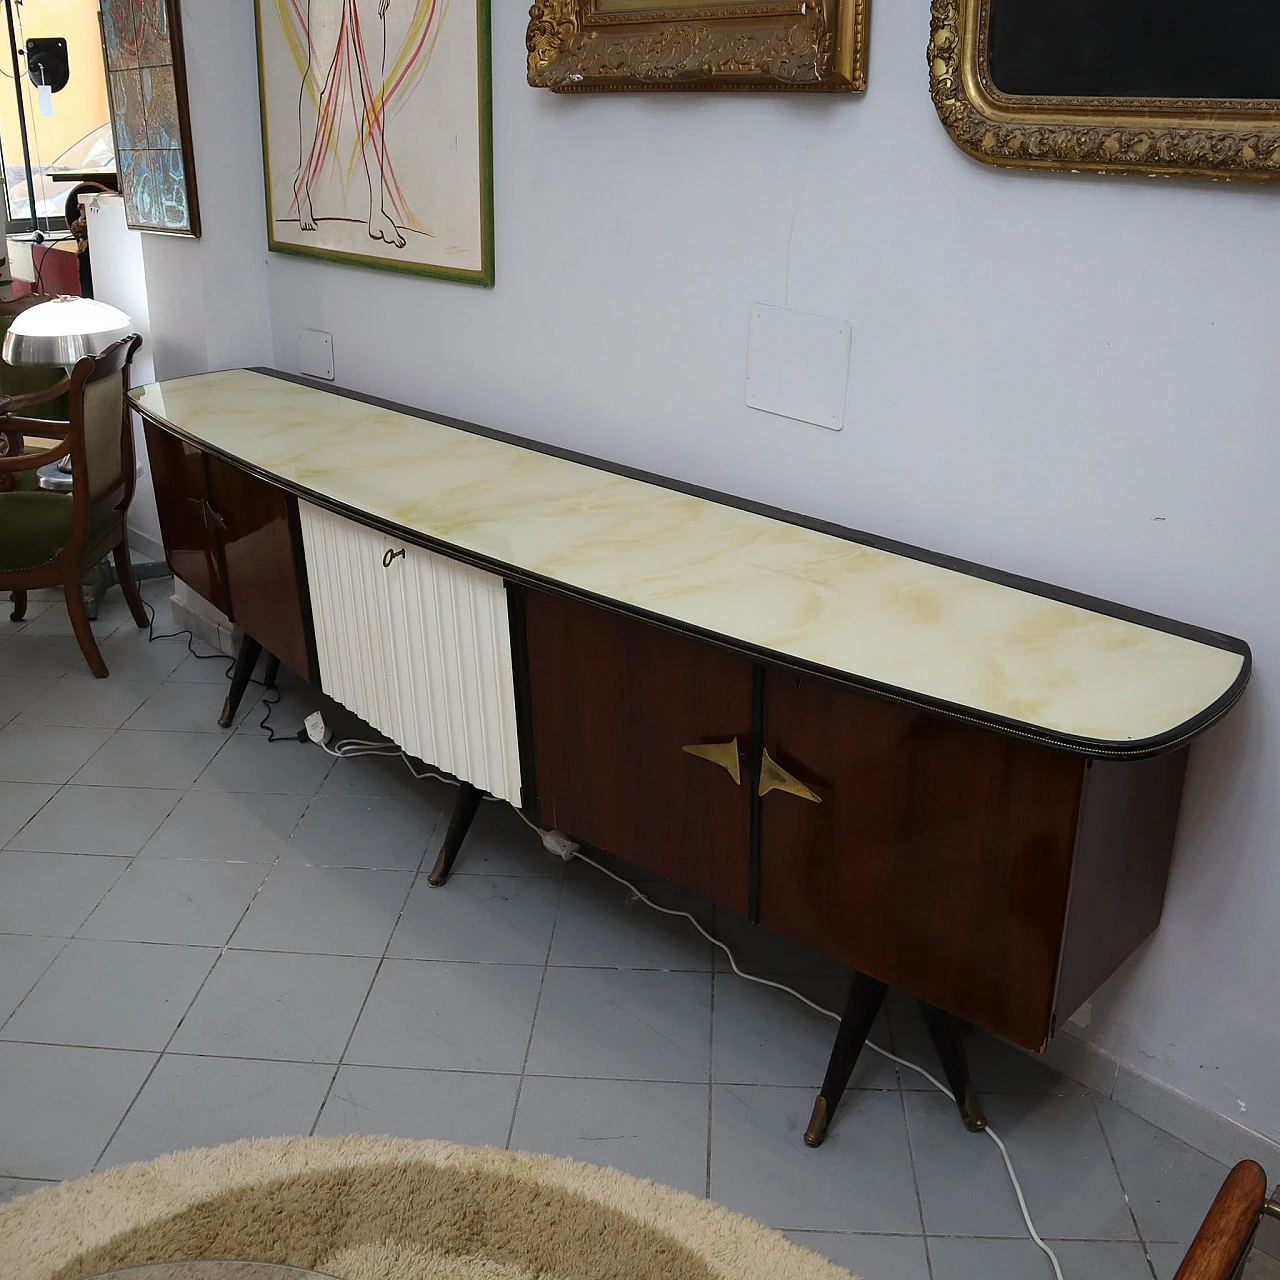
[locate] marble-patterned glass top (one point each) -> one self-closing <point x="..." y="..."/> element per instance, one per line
<point x="938" y="634"/>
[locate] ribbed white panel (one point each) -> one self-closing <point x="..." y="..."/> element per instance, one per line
<point x="421" y="650"/>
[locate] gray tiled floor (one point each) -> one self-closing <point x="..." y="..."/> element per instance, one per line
<point x="205" y="936"/>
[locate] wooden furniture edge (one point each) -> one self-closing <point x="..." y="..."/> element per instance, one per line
<point x="1228" y="1228"/>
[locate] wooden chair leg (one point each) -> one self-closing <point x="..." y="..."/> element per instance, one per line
<point x="129" y="584"/>
<point x="19" y="606"/>
<point x="74" y="593"/>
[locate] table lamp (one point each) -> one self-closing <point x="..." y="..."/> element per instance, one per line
<point x="63" y="331"/>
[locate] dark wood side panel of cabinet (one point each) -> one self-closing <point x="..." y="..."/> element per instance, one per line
<point x="265" y="576"/>
<point x="613" y="702"/>
<point x="234" y="539"/>
<point x="1127" y="826"/>
<point x="190" y="540"/>
<point x="938" y="861"/>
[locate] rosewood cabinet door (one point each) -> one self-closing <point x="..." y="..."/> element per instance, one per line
<point x="614" y="704"/>
<point x="257" y="527"/>
<point x="938" y="860"/>
<point x="190" y="536"/>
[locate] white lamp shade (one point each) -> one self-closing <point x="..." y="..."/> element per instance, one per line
<point x="64" y="331"/>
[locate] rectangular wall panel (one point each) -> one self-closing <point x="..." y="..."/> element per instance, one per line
<point x="420" y="648"/>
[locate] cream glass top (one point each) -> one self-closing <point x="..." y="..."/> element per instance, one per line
<point x="936" y="633"/>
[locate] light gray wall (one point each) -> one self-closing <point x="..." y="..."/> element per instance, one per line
<point x="208" y="297"/>
<point x="1069" y="377"/>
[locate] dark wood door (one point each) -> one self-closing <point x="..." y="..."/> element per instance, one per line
<point x="190" y="536"/>
<point x="614" y="702"/>
<point x="257" y="526"/>
<point x="938" y="860"/>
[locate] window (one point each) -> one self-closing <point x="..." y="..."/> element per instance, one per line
<point x="75" y="140"/>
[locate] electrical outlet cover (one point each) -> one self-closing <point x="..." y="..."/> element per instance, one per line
<point x="798" y="365"/>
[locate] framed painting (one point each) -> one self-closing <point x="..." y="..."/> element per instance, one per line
<point x="576" y="46"/>
<point x="150" y="120"/>
<point x="1155" y="87"/>
<point x="377" y="133"/>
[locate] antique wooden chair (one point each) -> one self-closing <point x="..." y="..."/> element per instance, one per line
<point x="53" y="539"/>
<point x="1221" y="1247"/>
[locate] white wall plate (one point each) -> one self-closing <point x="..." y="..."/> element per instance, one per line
<point x="798" y="365"/>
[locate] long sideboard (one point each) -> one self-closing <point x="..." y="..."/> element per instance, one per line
<point x="958" y="782"/>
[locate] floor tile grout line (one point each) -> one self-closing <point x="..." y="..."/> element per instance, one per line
<point x="711" y="1073"/>
<point x="911" y="1159"/>
<point x="4" y="1022"/>
<point x="177" y="1028"/>
<point x="333" y="1079"/>
<point x="537" y="1004"/>
<point x="1128" y="1204"/>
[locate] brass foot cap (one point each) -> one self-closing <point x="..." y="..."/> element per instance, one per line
<point x="817" y="1130"/>
<point x="974" y="1119"/>
<point x="225" y="719"/>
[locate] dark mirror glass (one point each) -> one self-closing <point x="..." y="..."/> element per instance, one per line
<point x="1136" y="48"/>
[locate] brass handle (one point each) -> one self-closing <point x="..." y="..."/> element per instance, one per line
<point x="208" y="516"/>
<point x="725" y="754"/>
<point x="773" y="777"/>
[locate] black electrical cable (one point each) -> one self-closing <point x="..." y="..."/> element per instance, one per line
<point x="265" y="722"/>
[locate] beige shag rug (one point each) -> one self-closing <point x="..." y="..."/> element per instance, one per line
<point x="389" y="1209"/>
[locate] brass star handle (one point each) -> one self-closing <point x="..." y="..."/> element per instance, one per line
<point x="773" y="777"/>
<point x="208" y="516"/>
<point x="725" y="754"/>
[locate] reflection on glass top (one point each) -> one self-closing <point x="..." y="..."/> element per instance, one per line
<point x="214" y="1270"/>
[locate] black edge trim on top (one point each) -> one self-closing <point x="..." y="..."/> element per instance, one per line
<point x="524" y="701"/>
<point x="304" y="593"/>
<point x="1136" y="749"/>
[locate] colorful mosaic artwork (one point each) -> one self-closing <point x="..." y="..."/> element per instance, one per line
<point x="142" y="44"/>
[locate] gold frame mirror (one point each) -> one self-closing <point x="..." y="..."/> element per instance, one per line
<point x="1188" y="137"/>
<point x="578" y="46"/>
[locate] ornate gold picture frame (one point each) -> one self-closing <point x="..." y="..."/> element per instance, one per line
<point x="578" y="46"/>
<point x="1172" y="136"/>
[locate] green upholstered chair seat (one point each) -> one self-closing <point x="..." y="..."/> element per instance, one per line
<point x="35" y="526"/>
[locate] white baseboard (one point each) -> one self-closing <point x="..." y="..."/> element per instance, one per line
<point x="150" y="549"/>
<point x="203" y="620"/>
<point x="1216" y="1135"/>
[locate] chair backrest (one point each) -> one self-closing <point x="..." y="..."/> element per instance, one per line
<point x="17" y="380"/>
<point x="101" y="435"/>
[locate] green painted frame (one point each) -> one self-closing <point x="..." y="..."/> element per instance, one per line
<point x="486" y="275"/>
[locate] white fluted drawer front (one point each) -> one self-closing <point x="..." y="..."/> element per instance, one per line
<point x="419" y="647"/>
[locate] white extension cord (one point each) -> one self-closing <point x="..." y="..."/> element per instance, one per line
<point x="562" y="846"/>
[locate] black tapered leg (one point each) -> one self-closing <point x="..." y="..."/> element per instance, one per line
<point x="242" y="673"/>
<point x="866" y="995"/>
<point x="271" y="673"/>
<point x="464" y="811"/>
<point x="944" y="1031"/>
